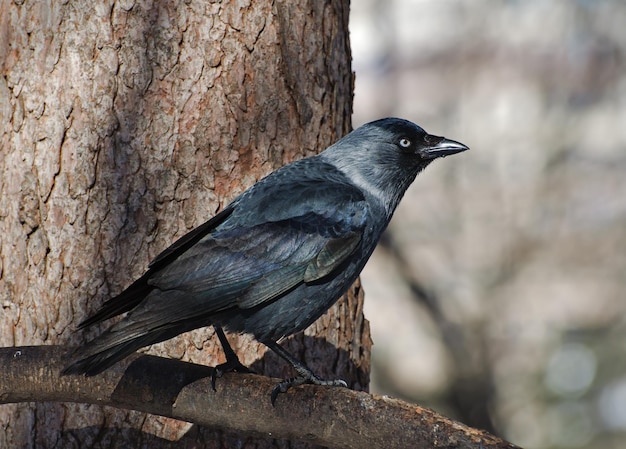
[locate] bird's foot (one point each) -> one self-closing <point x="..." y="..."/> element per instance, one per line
<point x="305" y="377"/>
<point x="231" y="365"/>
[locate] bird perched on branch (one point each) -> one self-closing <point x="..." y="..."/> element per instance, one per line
<point x="277" y="257"/>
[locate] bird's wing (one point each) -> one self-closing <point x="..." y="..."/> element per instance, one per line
<point x="138" y="290"/>
<point x="279" y="236"/>
<point x="188" y="240"/>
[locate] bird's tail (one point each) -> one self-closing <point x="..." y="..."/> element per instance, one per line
<point x="108" y="349"/>
<point x="142" y="327"/>
<point x="124" y="338"/>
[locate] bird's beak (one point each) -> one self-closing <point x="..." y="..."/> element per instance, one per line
<point x="442" y="147"/>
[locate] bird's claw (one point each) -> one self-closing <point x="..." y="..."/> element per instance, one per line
<point x="284" y="385"/>
<point x="231" y="365"/>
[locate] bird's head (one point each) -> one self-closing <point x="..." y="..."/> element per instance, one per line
<point x="383" y="157"/>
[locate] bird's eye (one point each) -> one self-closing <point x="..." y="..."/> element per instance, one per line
<point x="405" y="143"/>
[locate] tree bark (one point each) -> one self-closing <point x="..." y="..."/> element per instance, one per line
<point x="123" y="126"/>
<point x="335" y="417"/>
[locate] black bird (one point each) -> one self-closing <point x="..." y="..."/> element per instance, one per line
<point x="277" y="257"/>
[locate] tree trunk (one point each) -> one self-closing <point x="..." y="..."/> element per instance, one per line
<point x="123" y="126"/>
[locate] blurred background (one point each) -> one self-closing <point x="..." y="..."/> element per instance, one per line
<point x="498" y="295"/>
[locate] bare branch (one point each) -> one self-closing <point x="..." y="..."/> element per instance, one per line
<point x="334" y="417"/>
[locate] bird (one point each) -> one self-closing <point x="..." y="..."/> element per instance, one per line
<point x="277" y="257"/>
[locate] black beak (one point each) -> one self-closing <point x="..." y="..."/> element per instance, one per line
<point x="441" y="147"/>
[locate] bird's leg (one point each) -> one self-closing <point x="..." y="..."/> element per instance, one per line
<point x="305" y="375"/>
<point x="232" y="361"/>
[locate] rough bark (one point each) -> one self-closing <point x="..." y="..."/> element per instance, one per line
<point x="335" y="417"/>
<point x="122" y="126"/>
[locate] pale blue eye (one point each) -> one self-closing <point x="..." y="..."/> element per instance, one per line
<point x="405" y="143"/>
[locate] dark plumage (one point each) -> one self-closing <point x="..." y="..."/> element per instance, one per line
<point x="278" y="256"/>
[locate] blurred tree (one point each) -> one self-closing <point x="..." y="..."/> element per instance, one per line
<point x="507" y="265"/>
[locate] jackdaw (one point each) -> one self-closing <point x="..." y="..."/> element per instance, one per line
<point x="277" y="257"/>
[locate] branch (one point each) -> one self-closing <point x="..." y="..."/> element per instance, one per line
<point x="334" y="417"/>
